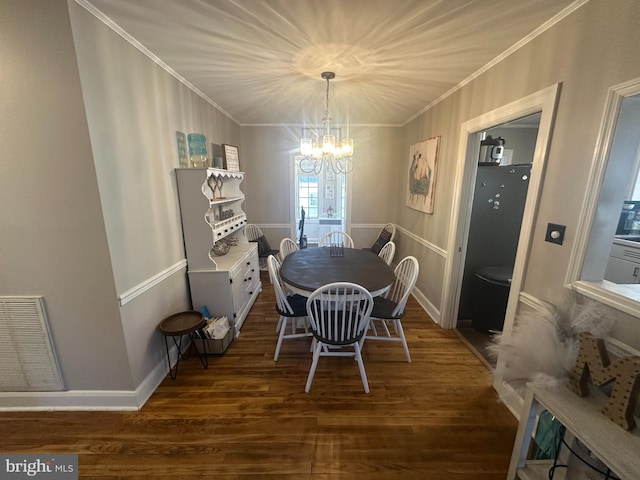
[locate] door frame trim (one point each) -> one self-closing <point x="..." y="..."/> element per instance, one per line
<point x="543" y="101"/>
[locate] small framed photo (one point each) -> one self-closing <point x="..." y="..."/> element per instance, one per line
<point x="329" y="175"/>
<point x="230" y="158"/>
<point x="328" y="191"/>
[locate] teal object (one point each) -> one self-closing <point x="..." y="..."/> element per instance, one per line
<point x="197" y="144"/>
<point x="205" y="311"/>
<point x="548" y="436"/>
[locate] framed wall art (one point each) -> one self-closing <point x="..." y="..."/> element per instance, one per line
<point x="423" y="161"/>
<point x="230" y="158"/>
<point x="328" y="191"/>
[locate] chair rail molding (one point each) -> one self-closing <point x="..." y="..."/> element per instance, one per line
<point x="434" y="248"/>
<point x="151" y="282"/>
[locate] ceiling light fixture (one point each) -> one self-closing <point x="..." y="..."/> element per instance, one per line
<point x="334" y="153"/>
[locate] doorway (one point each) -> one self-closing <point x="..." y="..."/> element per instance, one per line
<point x="499" y="195"/>
<point x="323" y="196"/>
<point x="471" y="131"/>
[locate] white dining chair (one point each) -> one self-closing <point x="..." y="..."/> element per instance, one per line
<point x="336" y="237"/>
<point x="339" y="315"/>
<point x="389" y="308"/>
<point x="290" y="308"/>
<point x="387" y="252"/>
<point x="255" y="234"/>
<point x="287" y="246"/>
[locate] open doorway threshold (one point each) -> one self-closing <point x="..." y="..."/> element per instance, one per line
<point x="477" y="342"/>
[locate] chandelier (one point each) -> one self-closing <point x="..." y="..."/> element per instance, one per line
<point x="333" y="153"/>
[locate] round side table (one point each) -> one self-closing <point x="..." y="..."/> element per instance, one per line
<point x="177" y="326"/>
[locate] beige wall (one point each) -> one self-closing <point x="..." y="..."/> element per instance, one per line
<point x="266" y="156"/>
<point x="89" y="196"/>
<point x="587" y="52"/>
<point x="88" y="130"/>
<point x="134" y="108"/>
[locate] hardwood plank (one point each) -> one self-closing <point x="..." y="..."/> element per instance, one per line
<point x="247" y="417"/>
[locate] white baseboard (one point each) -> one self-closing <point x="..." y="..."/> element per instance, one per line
<point x="69" y="400"/>
<point x="88" y="400"/>
<point x="427" y="306"/>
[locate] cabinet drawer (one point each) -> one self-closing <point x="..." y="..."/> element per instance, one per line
<point x="624" y="252"/>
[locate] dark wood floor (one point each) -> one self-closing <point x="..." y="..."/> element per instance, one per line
<point x="246" y="417"/>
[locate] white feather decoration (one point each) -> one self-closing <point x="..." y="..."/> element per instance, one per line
<point x="543" y="346"/>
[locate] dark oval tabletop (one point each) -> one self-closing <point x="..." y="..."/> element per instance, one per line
<point x="311" y="268"/>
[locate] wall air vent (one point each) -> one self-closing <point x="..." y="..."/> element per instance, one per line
<point x="26" y="352"/>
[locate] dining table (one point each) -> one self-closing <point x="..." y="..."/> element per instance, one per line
<point x="311" y="268"/>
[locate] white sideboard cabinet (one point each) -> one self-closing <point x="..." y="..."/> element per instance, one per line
<point x="211" y="210"/>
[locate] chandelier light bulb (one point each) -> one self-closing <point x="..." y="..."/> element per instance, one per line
<point x="306" y="146"/>
<point x="347" y="147"/>
<point x="317" y="150"/>
<point x="329" y="144"/>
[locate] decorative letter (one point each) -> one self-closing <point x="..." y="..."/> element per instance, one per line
<point x="593" y="359"/>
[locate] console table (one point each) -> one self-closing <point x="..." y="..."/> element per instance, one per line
<point x="617" y="448"/>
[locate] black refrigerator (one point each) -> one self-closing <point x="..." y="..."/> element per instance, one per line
<point x="496" y="217"/>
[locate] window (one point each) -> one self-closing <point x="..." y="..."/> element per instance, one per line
<point x="596" y="270"/>
<point x="307" y="194"/>
<point x="324" y="197"/>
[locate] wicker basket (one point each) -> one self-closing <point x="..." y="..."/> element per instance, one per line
<point x="215" y="346"/>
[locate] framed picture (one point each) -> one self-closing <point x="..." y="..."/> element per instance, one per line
<point x="423" y="161"/>
<point x="230" y="157"/>
<point x="329" y="175"/>
<point x="328" y="191"/>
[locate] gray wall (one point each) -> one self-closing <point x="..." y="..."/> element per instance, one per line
<point x="521" y="140"/>
<point x="54" y="241"/>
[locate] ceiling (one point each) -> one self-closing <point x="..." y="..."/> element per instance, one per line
<point x="260" y="61"/>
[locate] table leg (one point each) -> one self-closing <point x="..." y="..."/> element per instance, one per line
<point x="173" y="371"/>
<point x="204" y="359"/>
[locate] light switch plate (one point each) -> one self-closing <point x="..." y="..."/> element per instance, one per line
<point x="555" y="233"/>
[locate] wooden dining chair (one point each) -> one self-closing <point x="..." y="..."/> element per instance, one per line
<point x="389" y="308"/>
<point x="386" y="235"/>
<point x="336" y="237"/>
<point x="290" y="308"/>
<point x="287" y="246"/>
<point x="387" y="252"/>
<point x="339" y="315"/>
